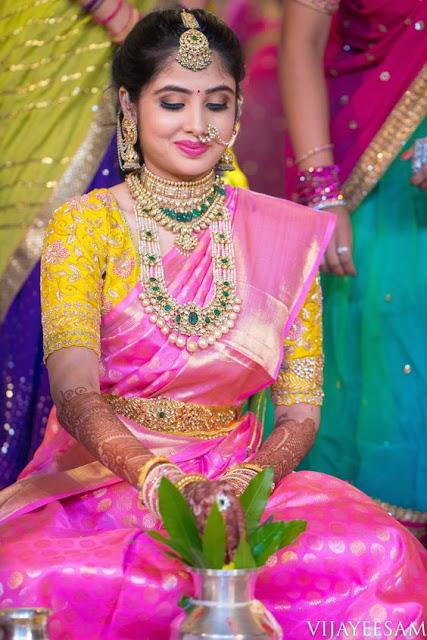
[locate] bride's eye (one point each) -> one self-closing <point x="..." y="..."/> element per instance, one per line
<point x="217" y="106"/>
<point x="172" y="106"/>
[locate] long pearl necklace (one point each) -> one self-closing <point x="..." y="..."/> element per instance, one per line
<point x="187" y="325"/>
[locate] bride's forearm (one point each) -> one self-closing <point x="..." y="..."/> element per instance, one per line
<point x="289" y="442"/>
<point x="91" y="421"/>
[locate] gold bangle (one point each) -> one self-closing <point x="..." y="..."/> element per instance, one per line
<point x="142" y="476"/>
<point x="242" y="467"/>
<point x="188" y="479"/>
<point x="253" y="467"/>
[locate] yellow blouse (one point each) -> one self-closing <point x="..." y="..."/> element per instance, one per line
<point x="89" y="264"/>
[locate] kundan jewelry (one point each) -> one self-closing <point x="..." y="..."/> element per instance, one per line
<point x="127" y="136"/>
<point x="187" y="325"/>
<point x="213" y="133"/>
<point x="185" y="208"/>
<point x="194" y="52"/>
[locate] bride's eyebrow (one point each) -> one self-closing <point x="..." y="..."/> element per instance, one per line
<point x="220" y="87"/>
<point x="177" y="89"/>
<point x="174" y="88"/>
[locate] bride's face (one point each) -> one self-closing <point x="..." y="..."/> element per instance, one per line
<point x="174" y="109"/>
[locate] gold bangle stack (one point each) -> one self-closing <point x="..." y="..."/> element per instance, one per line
<point x="253" y="467"/>
<point x="188" y="479"/>
<point x="240" y="475"/>
<point x="152" y="462"/>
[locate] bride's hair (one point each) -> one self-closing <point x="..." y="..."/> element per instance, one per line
<point x="148" y="47"/>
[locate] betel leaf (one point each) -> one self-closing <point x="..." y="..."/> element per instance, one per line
<point x="293" y="528"/>
<point x="213" y="541"/>
<point x="272" y="536"/>
<point x="197" y="560"/>
<point x="255" y="497"/>
<point x="265" y="540"/>
<point x="177" y="517"/>
<point x="184" y="554"/>
<point x="243" y="558"/>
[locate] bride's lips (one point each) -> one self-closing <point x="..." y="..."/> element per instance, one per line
<point x="190" y="148"/>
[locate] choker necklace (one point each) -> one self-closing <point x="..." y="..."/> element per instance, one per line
<point x="174" y="191"/>
<point x="185" y="208"/>
<point x="186" y="325"/>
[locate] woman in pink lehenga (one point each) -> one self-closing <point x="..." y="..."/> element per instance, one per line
<point x="167" y="301"/>
<point x="260" y="147"/>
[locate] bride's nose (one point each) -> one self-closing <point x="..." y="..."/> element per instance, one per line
<point x="196" y="120"/>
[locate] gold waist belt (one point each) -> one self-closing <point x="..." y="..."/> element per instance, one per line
<point x="172" y="416"/>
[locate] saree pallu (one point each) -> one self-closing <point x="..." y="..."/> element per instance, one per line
<point x="73" y="534"/>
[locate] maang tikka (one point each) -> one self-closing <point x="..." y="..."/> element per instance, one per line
<point x="194" y="52"/>
<point x="127" y="137"/>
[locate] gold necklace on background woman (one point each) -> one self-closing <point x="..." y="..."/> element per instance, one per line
<point x="185" y="208"/>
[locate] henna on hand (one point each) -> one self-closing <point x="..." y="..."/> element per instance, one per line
<point x="287" y="445"/>
<point x="91" y="421"/>
<point x="201" y="497"/>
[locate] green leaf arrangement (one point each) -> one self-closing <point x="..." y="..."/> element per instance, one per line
<point x="209" y="550"/>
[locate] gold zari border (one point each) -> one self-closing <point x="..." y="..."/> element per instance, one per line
<point x="415" y="521"/>
<point x="74" y="181"/>
<point x="397" y="128"/>
<point x="404" y="514"/>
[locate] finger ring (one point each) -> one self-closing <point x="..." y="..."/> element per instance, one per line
<point x="342" y="249"/>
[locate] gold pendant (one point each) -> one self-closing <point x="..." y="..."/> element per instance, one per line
<point x="186" y="241"/>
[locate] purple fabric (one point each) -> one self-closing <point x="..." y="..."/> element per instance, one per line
<point x="25" y="400"/>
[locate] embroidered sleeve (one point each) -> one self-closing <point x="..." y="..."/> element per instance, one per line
<point x="300" y="377"/>
<point x="324" y="6"/>
<point x="121" y="273"/>
<point x="72" y="267"/>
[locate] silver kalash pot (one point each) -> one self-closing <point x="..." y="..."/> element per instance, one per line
<point x="224" y="607"/>
<point x="24" y="624"/>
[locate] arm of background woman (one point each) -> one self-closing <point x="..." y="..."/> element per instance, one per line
<point x="297" y="393"/>
<point x="304" y="36"/>
<point x="119" y="17"/>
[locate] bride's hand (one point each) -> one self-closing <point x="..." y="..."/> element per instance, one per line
<point x="201" y="497"/>
<point x="339" y="254"/>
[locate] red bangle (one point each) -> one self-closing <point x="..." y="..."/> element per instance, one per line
<point x="112" y="15"/>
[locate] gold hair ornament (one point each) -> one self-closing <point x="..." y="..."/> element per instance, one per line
<point x="194" y="52"/>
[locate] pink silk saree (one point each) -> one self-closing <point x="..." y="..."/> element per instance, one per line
<point x="73" y="535"/>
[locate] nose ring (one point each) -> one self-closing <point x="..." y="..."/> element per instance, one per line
<point x="213" y="133"/>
